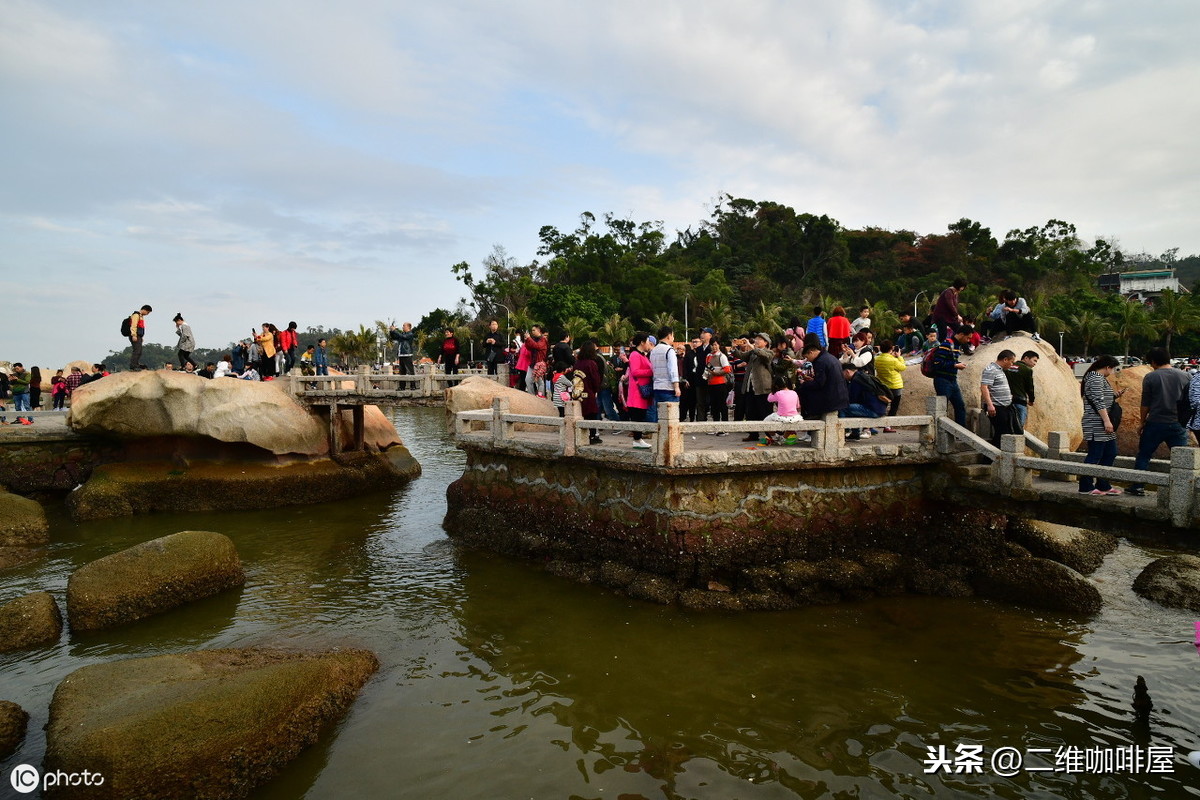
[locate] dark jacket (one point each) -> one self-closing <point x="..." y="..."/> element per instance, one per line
<point x="862" y="391"/>
<point x="403" y="340"/>
<point x="592" y="382"/>
<point x="826" y="391"/>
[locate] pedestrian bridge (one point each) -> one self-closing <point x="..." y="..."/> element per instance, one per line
<point x="1024" y="471"/>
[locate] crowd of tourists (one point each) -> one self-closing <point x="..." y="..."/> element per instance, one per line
<point x="826" y="364"/>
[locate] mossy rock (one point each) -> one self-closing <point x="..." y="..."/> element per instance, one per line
<point x="151" y="578"/>
<point x="22" y="522"/>
<point x="29" y="621"/>
<point x="1038" y="583"/>
<point x="205" y="725"/>
<point x="1172" y="581"/>
<point x="1080" y="549"/>
<point x="15" y="556"/>
<point x="13" y="722"/>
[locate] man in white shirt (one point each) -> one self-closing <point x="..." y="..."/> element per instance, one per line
<point x="665" y="364"/>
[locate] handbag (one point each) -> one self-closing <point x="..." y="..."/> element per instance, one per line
<point x="1114" y="412"/>
<point x="646" y="390"/>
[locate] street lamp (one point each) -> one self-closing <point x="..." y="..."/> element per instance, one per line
<point x="915" y="304"/>
<point x="1060" y="343"/>
<point x="507" y="325"/>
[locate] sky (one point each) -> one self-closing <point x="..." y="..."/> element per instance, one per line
<point x="242" y="162"/>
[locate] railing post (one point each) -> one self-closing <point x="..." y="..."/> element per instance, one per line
<point x="1180" y="495"/>
<point x="502" y="374"/>
<point x="936" y="407"/>
<point x="669" y="444"/>
<point x="1007" y="474"/>
<point x="832" y="437"/>
<point x="499" y="427"/>
<point x="1057" y="443"/>
<point x="427" y="380"/>
<point x="361" y="383"/>
<point x="568" y="443"/>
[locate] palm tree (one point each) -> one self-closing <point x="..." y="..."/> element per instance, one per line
<point x="1133" y="320"/>
<point x="883" y="320"/>
<point x="1174" y="314"/>
<point x="577" y="327"/>
<point x="1091" y="328"/>
<point x="356" y="347"/>
<point x="765" y="318"/>
<point x="718" y="316"/>
<point x="660" y="320"/>
<point x="616" y="330"/>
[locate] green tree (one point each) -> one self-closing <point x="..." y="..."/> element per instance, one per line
<point x="1091" y="328"/>
<point x="1173" y="314"/>
<point x="1132" y="320"/>
<point x="578" y="327"/>
<point x="718" y="316"/>
<point x="765" y="319"/>
<point x="660" y="320"/>
<point x="356" y="347"/>
<point x="616" y="330"/>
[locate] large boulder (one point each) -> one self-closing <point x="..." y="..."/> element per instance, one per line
<point x="152" y="405"/>
<point x="13" y="721"/>
<point x="151" y="578"/>
<point x="29" y="620"/>
<point x="1080" y="549"/>
<point x="1058" y="406"/>
<point x="476" y="392"/>
<point x="1172" y="581"/>
<point x="202" y="725"/>
<point x="1038" y="583"/>
<point x="22" y="522"/>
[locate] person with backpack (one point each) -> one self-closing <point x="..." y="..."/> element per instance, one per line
<point x="133" y="327"/>
<point x="867" y="398"/>
<point x="1165" y="409"/>
<point x="943" y="364"/>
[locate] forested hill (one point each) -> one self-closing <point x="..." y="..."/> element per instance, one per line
<point x="757" y="264"/>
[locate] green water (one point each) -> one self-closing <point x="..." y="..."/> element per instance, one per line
<point x="500" y="681"/>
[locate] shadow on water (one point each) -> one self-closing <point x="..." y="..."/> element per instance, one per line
<point x="499" y="680"/>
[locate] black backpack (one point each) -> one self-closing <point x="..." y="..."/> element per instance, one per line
<point x="126" y="326"/>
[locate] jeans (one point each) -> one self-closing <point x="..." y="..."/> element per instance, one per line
<point x="1022" y="413"/>
<point x="606" y="404"/>
<point x="857" y="410"/>
<point x="948" y="388"/>
<point x="1154" y="434"/>
<point x="1104" y="454"/>
<point x="21" y="401"/>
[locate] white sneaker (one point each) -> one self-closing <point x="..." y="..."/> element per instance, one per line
<point x="1037" y="338"/>
<point x="865" y="435"/>
<point x="642" y="444"/>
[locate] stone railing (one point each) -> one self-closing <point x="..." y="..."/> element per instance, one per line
<point x="365" y="382"/>
<point x="669" y="438"/>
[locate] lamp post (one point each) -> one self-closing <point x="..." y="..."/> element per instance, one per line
<point x="915" y="299"/>
<point x="507" y="325"/>
<point x="685" y="318"/>
<point x="1060" y="344"/>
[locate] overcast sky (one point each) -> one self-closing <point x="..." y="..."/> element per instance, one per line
<point x="262" y="160"/>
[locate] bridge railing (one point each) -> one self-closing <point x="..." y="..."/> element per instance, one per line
<point x="365" y="382"/>
<point x="669" y="437"/>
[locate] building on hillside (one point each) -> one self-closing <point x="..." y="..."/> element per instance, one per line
<point x="1142" y="285"/>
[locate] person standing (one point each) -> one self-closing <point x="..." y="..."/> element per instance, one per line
<point x="35" y="388"/>
<point x="816" y="324"/>
<point x="715" y="377"/>
<point x="403" y="337"/>
<point x="861" y="322"/>
<point x="1099" y="429"/>
<point x="321" y="358"/>
<point x="590" y="368"/>
<point x="137" y="336"/>
<point x="838" y="329"/>
<point x="1162" y="389"/>
<point x="562" y="350"/>
<point x="639" y="398"/>
<point x="665" y="364"/>
<point x="450" y="353"/>
<point x="493" y="347"/>
<point x="19" y="383"/>
<point x="946" y="365"/>
<point x="702" y="354"/>
<point x="997" y="398"/>
<point x="187" y="342"/>
<point x="289" y="340"/>
<point x="1020" y="380"/>
<point x="266" y="350"/>
<point x="945" y="310"/>
<point x="534" y="350"/>
<point x="758" y="381"/>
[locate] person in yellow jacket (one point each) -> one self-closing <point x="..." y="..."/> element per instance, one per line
<point x="888" y="366"/>
<point x="266" y="346"/>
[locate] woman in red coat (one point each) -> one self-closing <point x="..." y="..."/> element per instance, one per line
<point x="839" y="331"/>
<point x="640" y="374"/>
<point x="535" y="347"/>
<point x="591" y="366"/>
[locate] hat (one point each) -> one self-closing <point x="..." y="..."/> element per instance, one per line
<point x="651" y="340"/>
<point x="763" y="336"/>
<point x="707" y="330"/>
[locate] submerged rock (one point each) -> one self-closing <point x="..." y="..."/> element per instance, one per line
<point x="29" y="620"/>
<point x="151" y="578"/>
<point x="1172" y="581"/>
<point x="1038" y="583"/>
<point x="15" y="556"/>
<point x="206" y="725"/>
<point x="13" y="721"/>
<point x="22" y="522"/>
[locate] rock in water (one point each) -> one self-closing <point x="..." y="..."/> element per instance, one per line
<point x="13" y="721"/>
<point x="22" y="521"/>
<point x="152" y="577"/>
<point x="205" y="725"/>
<point x="1172" y="581"/>
<point x="29" y="620"/>
<point x="1038" y="583"/>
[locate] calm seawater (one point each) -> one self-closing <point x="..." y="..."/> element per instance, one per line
<point x="500" y="681"/>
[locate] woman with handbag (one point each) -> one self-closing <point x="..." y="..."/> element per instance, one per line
<point x="1101" y="416"/>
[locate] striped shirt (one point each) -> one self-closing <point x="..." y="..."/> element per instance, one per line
<point x="1097" y="394"/>
<point x="994" y="378"/>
